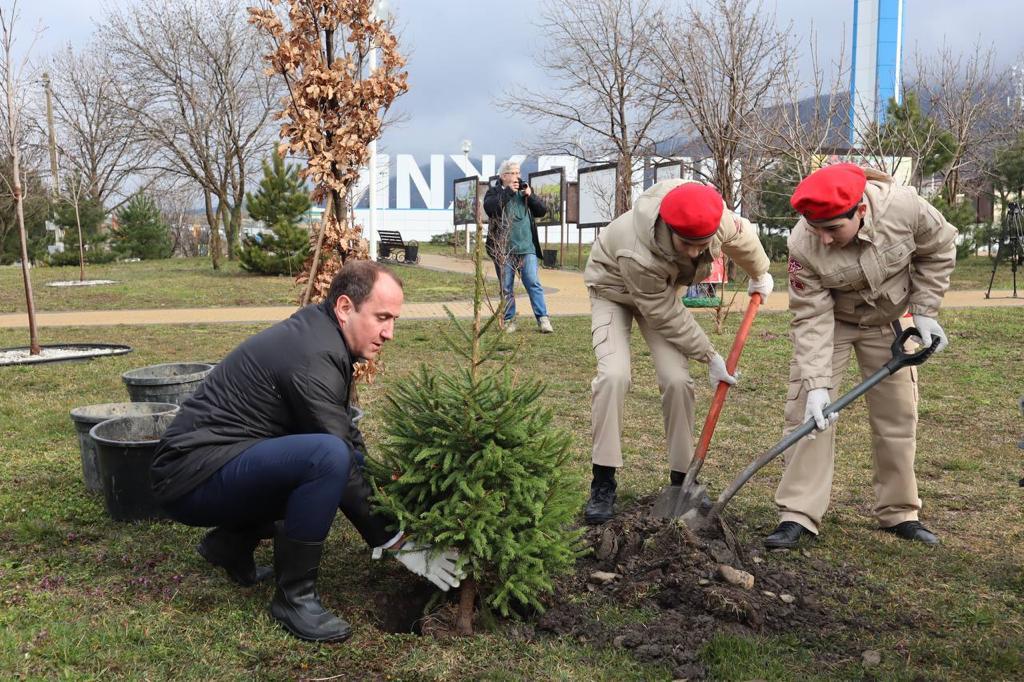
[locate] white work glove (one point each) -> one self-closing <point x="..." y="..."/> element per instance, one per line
<point x="763" y="285"/>
<point x="437" y="567"/>
<point x="718" y="373"/>
<point x="929" y="327"/>
<point x="817" y="399"/>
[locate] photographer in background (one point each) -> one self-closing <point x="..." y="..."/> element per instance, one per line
<point x="512" y="242"/>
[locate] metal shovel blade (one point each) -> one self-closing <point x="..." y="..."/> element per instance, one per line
<point x="678" y="500"/>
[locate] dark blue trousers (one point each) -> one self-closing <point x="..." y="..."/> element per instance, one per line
<point x="299" y="478"/>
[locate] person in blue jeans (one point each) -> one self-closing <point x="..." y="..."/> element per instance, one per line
<point x="512" y="242"/>
<point x="267" y="448"/>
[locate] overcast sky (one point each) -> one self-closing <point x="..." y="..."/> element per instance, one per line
<point x="464" y="53"/>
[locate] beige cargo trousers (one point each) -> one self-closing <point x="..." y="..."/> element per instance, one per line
<point x="611" y="324"/>
<point x="806" y="486"/>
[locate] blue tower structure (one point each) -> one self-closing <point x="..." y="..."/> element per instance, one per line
<point x="875" y="76"/>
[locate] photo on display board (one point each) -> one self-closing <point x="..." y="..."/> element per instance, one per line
<point x="549" y="187"/>
<point x="464" y="191"/>
<point x="597" y="195"/>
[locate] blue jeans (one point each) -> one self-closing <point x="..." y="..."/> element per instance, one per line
<point x="526" y="265"/>
<point x="298" y="478"/>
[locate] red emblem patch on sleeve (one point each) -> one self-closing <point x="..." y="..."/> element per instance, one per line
<point x="794" y="265"/>
<point x="795" y="283"/>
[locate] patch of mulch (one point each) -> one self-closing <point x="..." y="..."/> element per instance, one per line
<point x="662" y="566"/>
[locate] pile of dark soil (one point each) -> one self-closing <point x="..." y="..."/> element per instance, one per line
<point x="687" y="580"/>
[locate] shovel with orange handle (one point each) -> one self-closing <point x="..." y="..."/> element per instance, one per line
<point x="676" y="500"/>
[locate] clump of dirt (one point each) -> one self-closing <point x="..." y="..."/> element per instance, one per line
<point x="685" y="578"/>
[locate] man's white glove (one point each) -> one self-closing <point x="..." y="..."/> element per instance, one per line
<point x="929" y="327"/>
<point x="437" y="567"/>
<point x="718" y="373"/>
<point x="817" y="399"/>
<point x="763" y="285"/>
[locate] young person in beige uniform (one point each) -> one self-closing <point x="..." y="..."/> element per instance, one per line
<point x="636" y="268"/>
<point x="865" y="251"/>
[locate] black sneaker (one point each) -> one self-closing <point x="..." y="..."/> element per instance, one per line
<point x="599" y="507"/>
<point x="913" y="530"/>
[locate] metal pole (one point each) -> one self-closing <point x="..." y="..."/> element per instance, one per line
<point x="371" y="222"/>
<point x="53" y="139"/>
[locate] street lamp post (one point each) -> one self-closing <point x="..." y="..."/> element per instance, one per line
<point x="380" y="11"/>
<point x="466" y="146"/>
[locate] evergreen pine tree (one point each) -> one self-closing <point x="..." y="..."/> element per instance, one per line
<point x="472" y="461"/>
<point x="279" y="203"/>
<point x="140" y="231"/>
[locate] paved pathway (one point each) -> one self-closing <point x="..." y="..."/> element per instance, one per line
<point x="564" y="290"/>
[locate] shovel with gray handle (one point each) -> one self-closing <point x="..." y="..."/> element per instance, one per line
<point x="697" y="518"/>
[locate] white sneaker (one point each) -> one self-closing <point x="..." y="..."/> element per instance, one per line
<point x="510" y="327"/>
<point x="545" y="325"/>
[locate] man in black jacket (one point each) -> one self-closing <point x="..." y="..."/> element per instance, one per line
<point x="268" y="438"/>
<point x="512" y="242"/>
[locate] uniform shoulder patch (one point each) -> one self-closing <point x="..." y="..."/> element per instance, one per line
<point x="796" y="283"/>
<point x="794" y="265"/>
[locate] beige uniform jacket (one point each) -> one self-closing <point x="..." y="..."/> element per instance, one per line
<point x="633" y="263"/>
<point x="902" y="257"/>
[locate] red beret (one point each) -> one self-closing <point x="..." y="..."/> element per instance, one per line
<point x="829" y="192"/>
<point x="692" y="210"/>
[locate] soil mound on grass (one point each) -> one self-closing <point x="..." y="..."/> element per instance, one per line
<point x="663" y="567"/>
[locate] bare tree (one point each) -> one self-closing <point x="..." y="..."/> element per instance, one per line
<point x="76" y="189"/>
<point x="14" y="74"/>
<point x="96" y="138"/>
<point x="806" y="115"/>
<point x="720" y="72"/>
<point x="602" y="98"/>
<point x="175" y="197"/>
<point x="190" y="71"/>
<point x="963" y="96"/>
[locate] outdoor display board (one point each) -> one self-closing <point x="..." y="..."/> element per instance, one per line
<point x="549" y="187"/>
<point x="670" y="170"/>
<point x="597" y="195"/>
<point x="464" y="205"/>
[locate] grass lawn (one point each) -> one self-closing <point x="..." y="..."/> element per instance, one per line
<point x="192" y="283"/>
<point x="83" y="597"/>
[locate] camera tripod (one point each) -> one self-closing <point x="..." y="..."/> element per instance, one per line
<point x="1011" y="246"/>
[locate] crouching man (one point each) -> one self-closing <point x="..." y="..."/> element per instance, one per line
<point x="266" y="448"/>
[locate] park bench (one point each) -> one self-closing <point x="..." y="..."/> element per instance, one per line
<point x="391" y="241"/>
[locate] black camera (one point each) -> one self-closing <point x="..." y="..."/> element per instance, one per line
<point x="522" y="183"/>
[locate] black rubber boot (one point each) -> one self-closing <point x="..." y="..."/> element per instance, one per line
<point x="296" y="604"/>
<point x="232" y="550"/>
<point x="600" y="507"/>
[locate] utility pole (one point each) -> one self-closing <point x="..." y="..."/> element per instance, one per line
<point x="53" y="138"/>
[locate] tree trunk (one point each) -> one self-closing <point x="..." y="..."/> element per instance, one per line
<point x="81" y="245"/>
<point x="211" y="220"/>
<point x="12" y="128"/>
<point x="315" y="265"/>
<point x="225" y="220"/>
<point x="467" y="602"/>
<point x="624" y="187"/>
